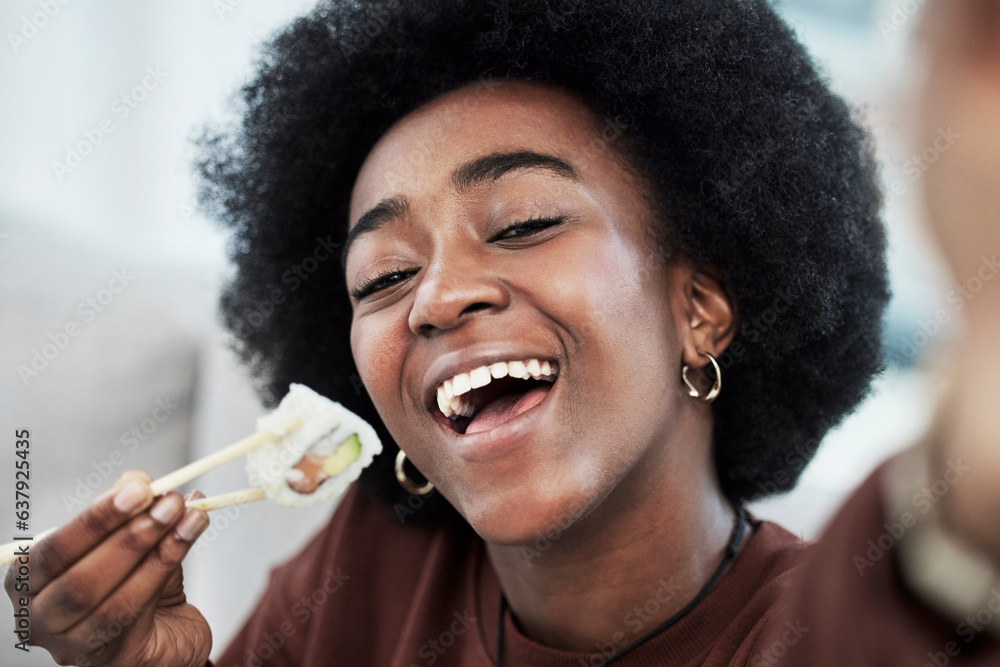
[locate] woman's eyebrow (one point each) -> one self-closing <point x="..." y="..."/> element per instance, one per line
<point x="487" y="168"/>
<point x="494" y="166"/>
<point x="385" y="211"/>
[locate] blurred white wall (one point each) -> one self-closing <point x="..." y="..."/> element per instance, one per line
<point x="128" y="204"/>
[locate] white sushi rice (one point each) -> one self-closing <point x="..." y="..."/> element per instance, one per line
<point x="325" y="424"/>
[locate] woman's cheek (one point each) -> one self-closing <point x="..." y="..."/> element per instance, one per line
<point x="614" y="291"/>
<point x="378" y="355"/>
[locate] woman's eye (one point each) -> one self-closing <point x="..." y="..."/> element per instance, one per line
<point x="527" y="228"/>
<point x="381" y="282"/>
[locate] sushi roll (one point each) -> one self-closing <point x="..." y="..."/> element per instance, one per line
<point x="317" y="460"/>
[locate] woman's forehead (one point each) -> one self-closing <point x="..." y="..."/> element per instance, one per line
<point x="421" y="151"/>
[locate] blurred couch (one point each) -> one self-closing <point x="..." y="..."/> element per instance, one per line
<point x="113" y="362"/>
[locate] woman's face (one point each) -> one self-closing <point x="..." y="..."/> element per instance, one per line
<point x="497" y="226"/>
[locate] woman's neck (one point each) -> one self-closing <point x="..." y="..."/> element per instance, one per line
<point x="629" y="565"/>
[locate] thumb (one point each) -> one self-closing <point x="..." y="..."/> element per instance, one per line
<point x="173" y="589"/>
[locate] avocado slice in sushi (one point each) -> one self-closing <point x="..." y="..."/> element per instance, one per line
<point x="346" y="453"/>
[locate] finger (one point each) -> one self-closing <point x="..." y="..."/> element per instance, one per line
<point x="127" y="614"/>
<point x="127" y="477"/>
<point x="173" y="589"/>
<point x="59" y="551"/>
<point x="194" y="495"/>
<point x="82" y="588"/>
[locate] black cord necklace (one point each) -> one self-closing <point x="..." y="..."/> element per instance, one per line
<point x="731" y="550"/>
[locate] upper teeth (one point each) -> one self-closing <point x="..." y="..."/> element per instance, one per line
<point x="450" y="391"/>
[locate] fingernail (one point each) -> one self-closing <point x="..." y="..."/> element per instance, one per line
<point x="134" y="474"/>
<point x="132" y="496"/>
<point x="166" y="508"/>
<point x="191" y="526"/>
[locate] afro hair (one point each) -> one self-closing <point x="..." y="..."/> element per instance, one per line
<point x="758" y="169"/>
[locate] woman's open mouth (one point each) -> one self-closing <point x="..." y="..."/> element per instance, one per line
<point x="491" y="395"/>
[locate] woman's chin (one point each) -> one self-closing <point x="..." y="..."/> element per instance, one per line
<point x="533" y="523"/>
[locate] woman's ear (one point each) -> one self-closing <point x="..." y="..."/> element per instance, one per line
<point x="709" y="321"/>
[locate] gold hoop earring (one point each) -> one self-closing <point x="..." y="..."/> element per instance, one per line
<point x="713" y="393"/>
<point x="405" y="481"/>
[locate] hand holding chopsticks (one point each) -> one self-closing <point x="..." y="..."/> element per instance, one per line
<point x="190" y="472"/>
<point x="304" y="452"/>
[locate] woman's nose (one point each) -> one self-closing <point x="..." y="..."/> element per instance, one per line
<point x="453" y="292"/>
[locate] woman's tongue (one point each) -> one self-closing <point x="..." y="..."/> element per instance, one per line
<point x="504" y="408"/>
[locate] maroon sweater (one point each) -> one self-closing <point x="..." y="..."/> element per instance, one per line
<point x="370" y="592"/>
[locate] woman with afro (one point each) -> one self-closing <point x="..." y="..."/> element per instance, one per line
<point x="600" y="272"/>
